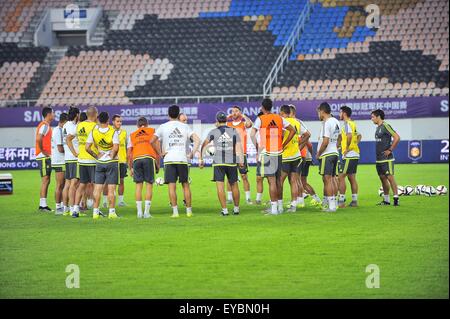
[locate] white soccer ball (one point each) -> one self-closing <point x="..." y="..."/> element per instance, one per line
<point x="159" y="181"/>
<point x="380" y="191"/>
<point x="401" y="190"/>
<point x="409" y="190"/>
<point x="429" y="191"/>
<point x="441" y="190"/>
<point x="418" y="190"/>
<point x="211" y="151"/>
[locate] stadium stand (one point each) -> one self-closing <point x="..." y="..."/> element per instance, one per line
<point x="170" y="48"/>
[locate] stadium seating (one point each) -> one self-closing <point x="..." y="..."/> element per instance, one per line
<point x="189" y="48"/>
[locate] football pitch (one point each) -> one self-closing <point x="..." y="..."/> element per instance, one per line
<point x="308" y="254"/>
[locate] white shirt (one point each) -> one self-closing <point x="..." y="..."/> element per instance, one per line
<point x="174" y="136"/>
<point x="57" y="139"/>
<point x="303" y="130"/>
<point x="331" y="128"/>
<point x="104" y="156"/>
<point x="43" y="130"/>
<point x="70" y="128"/>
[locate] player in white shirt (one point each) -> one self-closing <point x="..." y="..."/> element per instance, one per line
<point x="71" y="160"/>
<point x="173" y="136"/>
<point x="327" y="153"/>
<point x="58" y="163"/>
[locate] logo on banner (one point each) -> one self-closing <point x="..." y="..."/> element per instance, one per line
<point x="415" y="150"/>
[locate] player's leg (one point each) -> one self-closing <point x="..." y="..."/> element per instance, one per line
<point x="81" y="189"/>
<point x="293" y="181"/>
<point x="121" y="189"/>
<point x="105" y="196"/>
<point x="283" y="177"/>
<point x="59" y="179"/>
<point x="183" y="175"/>
<point x="381" y="170"/>
<point x="246" y="183"/>
<point x="220" y="186"/>
<point x="276" y="163"/>
<point x="259" y="189"/>
<point x="138" y="178"/>
<point x="45" y="168"/>
<point x="148" y="199"/>
<point x="354" y="188"/>
<point x="138" y="198"/>
<point x="229" y="193"/>
<point x="112" y="180"/>
<point x="72" y="193"/>
<point x="342" y="189"/>
<point x="232" y="177"/>
<point x="149" y="171"/>
<point x="98" y="189"/>
<point x="329" y="188"/>
<point x="393" y="182"/>
<point x="65" y="196"/>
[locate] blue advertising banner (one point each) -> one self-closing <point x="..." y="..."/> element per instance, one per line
<point x="426" y="151"/>
<point x="394" y="108"/>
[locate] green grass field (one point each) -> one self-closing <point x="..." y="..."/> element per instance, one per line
<point x="304" y="255"/>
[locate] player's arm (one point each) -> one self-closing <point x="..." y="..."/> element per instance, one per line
<point x="304" y="140"/>
<point x="69" y="140"/>
<point x="154" y="143"/>
<point x="323" y="147"/>
<point x="201" y="163"/>
<point x="196" y="140"/>
<point x="248" y="123"/>
<point x="359" y="137"/>
<point x="116" y="145"/>
<point x="253" y="137"/>
<point x="89" y="143"/>
<point x="291" y="135"/>
<point x="240" y="153"/>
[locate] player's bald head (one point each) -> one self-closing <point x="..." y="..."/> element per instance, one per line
<point x="92" y="112"/>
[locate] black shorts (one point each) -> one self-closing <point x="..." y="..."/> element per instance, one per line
<point x="107" y="173"/>
<point x="328" y="165"/>
<point x="86" y="173"/>
<point x="144" y="170"/>
<point x="58" y="168"/>
<point x="244" y="170"/>
<point x="290" y="166"/>
<point x="348" y="166"/>
<point x="72" y="170"/>
<point x="270" y="165"/>
<point x="220" y="171"/>
<point x="45" y="166"/>
<point x="385" y="168"/>
<point x="123" y="167"/>
<point x="303" y="168"/>
<point x="176" y="172"/>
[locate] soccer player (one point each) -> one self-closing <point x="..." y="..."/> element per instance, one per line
<point x="71" y="160"/>
<point x="327" y="153"/>
<point x="86" y="162"/>
<point x="117" y="124"/>
<point x="350" y="157"/>
<point x="270" y="127"/>
<point x="144" y="164"/>
<point x="241" y="123"/>
<point x="259" y="178"/>
<point x="106" y="140"/>
<point x="291" y="159"/>
<point x="227" y="143"/>
<point x="386" y="141"/>
<point x="58" y="162"/>
<point x="43" y="155"/>
<point x="173" y="135"/>
<point x="303" y="170"/>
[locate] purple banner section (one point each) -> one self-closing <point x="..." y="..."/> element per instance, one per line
<point x="395" y="108"/>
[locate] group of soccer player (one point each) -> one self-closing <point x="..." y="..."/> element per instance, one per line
<point x="91" y="157"/>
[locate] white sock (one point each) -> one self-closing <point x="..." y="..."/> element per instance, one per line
<point x="90" y="203"/>
<point x="112" y="210"/>
<point x="139" y="208"/>
<point x="294" y="203"/>
<point x="316" y="198"/>
<point x="96" y="211"/>
<point x="274" y="207"/>
<point x="105" y="198"/>
<point x="120" y="198"/>
<point x="225" y="211"/>
<point x="236" y="209"/>
<point x="325" y="200"/>
<point x="43" y="202"/>
<point x="71" y="209"/>
<point x="188" y="210"/>
<point x="300" y="200"/>
<point x="248" y="195"/>
<point x="76" y="209"/>
<point x="258" y="196"/>
<point x="386" y="198"/>
<point x="342" y="198"/>
<point x="280" y="205"/>
<point x="175" y="210"/>
<point x="58" y="205"/>
<point x="332" y="202"/>
<point x="147" y="204"/>
<point x="354" y="197"/>
<point x="230" y="195"/>
<point x="66" y="209"/>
